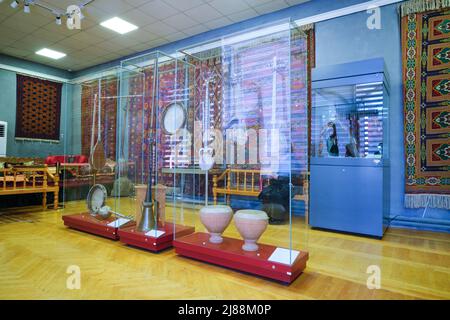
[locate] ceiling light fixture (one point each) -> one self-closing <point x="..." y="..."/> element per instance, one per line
<point x="49" y="53"/>
<point x="71" y="12"/>
<point x="118" y="25"/>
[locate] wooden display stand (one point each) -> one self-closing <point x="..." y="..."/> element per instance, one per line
<point x="132" y="237"/>
<point x="229" y="254"/>
<point x="85" y="222"/>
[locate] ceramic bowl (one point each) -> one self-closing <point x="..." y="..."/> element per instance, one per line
<point x="251" y="224"/>
<point x="216" y="219"/>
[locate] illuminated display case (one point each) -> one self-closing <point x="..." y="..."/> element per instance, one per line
<point x="350" y="148"/>
<point x="250" y="154"/>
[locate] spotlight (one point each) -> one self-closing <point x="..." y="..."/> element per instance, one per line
<point x="14" y="4"/>
<point x="26" y="8"/>
<point x="58" y="20"/>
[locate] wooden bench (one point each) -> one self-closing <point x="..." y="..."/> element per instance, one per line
<point x="246" y="182"/>
<point x="18" y="180"/>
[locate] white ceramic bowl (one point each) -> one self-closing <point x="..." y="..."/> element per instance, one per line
<point x="251" y="224"/>
<point x="216" y="219"/>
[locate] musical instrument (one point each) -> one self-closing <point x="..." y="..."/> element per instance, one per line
<point x="173" y="118"/>
<point x="149" y="216"/>
<point x="206" y="159"/>
<point x="97" y="159"/>
<point x="96" y="201"/>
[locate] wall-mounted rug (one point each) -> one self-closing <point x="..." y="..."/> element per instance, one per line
<point x="38" y="108"/>
<point x="426" y="79"/>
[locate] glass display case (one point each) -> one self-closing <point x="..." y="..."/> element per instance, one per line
<point x="211" y="139"/>
<point x="88" y="166"/>
<point x="154" y="149"/>
<point x="251" y="158"/>
<point x="350" y="148"/>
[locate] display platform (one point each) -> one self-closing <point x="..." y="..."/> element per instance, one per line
<point x="229" y="254"/>
<point x="85" y="222"/>
<point x="160" y="241"/>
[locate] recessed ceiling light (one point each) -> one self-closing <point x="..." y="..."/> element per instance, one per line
<point x="51" y="53"/>
<point x="118" y="25"/>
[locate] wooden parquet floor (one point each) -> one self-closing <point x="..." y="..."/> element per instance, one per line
<point x="36" y="250"/>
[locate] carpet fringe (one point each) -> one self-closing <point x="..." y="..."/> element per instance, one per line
<point x="416" y="6"/>
<point x="439" y="201"/>
<point x="307" y="27"/>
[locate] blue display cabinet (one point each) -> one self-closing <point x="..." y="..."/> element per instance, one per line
<point x="350" y="148"/>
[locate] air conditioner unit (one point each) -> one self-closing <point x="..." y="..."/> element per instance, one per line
<point x="3" y="138"/>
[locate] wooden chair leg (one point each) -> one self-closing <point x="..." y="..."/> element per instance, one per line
<point x="56" y="200"/>
<point x="215" y="197"/>
<point x="44" y="200"/>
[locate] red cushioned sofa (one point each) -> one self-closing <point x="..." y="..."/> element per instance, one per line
<point x="76" y="159"/>
<point x="75" y="171"/>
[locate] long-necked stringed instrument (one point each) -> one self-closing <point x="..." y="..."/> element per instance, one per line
<point x="97" y="158"/>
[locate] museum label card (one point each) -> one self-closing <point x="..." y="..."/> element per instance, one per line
<point x="284" y="256"/>
<point x="118" y="223"/>
<point x="155" y="233"/>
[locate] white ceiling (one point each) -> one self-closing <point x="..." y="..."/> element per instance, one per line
<point x="159" y="21"/>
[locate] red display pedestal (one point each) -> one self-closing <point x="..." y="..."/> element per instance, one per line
<point x="85" y="222"/>
<point x="229" y="254"/>
<point x="138" y="239"/>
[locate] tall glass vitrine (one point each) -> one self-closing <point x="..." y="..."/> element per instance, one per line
<point x="251" y="160"/>
<point x="154" y="149"/>
<point x="88" y="167"/>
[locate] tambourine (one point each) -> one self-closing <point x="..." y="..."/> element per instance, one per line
<point x="173" y="118"/>
<point x="96" y="200"/>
